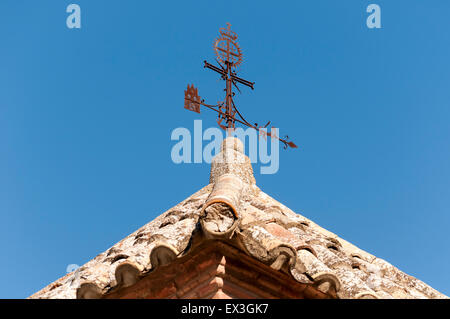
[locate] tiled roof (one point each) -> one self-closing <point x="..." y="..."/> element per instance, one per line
<point x="232" y="208"/>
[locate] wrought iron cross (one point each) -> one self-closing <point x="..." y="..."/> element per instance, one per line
<point x="229" y="56"/>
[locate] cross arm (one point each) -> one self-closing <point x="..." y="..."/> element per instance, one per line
<point x="242" y="81"/>
<point x="214" y="68"/>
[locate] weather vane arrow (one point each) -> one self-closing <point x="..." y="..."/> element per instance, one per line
<point x="229" y="56"/>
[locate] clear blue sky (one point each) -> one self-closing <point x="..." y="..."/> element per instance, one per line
<point x="86" y="117"/>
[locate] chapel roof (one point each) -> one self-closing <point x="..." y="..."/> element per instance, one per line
<point x="264" y="228"/>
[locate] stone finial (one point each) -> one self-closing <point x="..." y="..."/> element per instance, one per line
<point x="233" y="143"/>
<point x="232" y="160"/>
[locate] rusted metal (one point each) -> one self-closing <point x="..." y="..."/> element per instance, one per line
<point x="227" y="49"/>
<point x="229" y="56"/>
<point x="191" y="99"/>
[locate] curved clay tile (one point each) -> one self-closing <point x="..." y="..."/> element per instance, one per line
<point x="327" y="282"/>
<point x="88" y="290"/>
<point x="127" y="274"/>
<point x="220" y="213"/>
<point x="162" y="254"/>
<point x="366" y="295"/>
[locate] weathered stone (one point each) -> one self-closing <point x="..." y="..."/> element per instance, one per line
<point x="219" y="217"/>
<point x="232" y="160"/>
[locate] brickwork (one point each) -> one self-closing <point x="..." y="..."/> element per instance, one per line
<point x="216" y="270"/>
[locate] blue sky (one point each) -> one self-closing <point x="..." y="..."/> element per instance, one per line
<point x="86" y="117"/>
